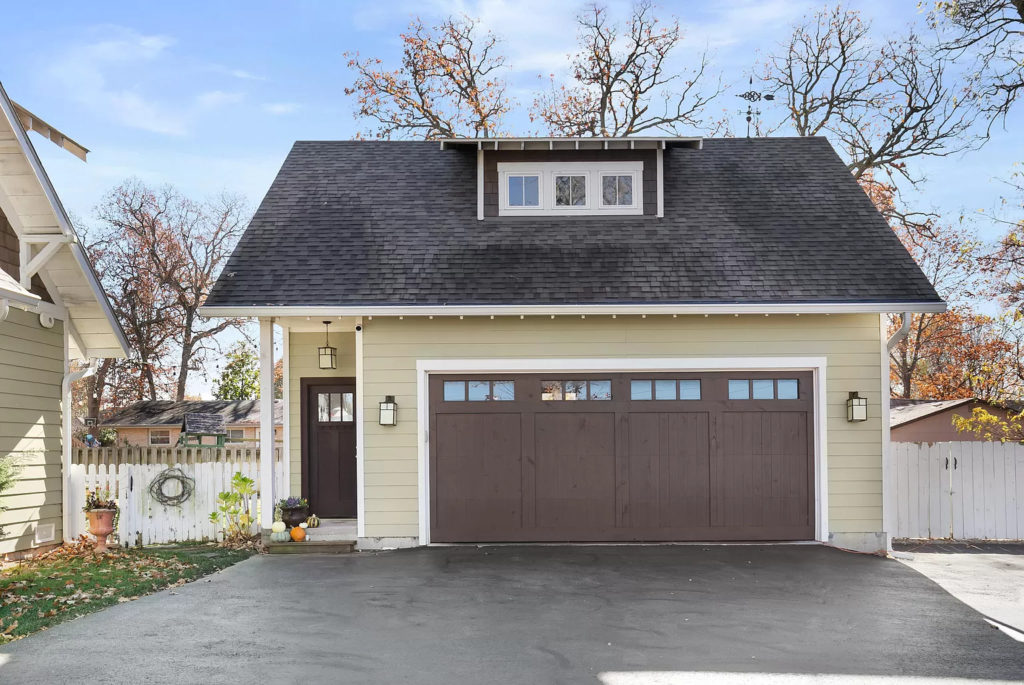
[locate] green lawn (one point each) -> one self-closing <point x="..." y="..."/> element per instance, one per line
<point x="71" y="582"/>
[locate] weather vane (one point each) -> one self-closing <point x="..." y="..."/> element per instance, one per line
<point x="752" y="96"/>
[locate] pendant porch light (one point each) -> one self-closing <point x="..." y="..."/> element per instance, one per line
<point x="328" y="355"/>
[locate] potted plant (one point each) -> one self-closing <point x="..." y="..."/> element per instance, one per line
<point x="100" y="509"/>
<point x="294" y="510"/>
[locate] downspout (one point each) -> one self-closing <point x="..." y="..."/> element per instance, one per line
<point x="888" y="467"/>
<point x="902" y="332"/>
<point x="65" y="390"/>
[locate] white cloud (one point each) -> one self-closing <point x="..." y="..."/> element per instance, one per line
<point x="236" y="73"/>
<point x="217" y="98"/>
<point x="124" y="76"/>
<point x="743" y="22"/>
<point x="278" y="108"/>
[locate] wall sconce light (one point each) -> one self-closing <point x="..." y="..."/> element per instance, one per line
<point x="388" y="411"/>
<point x="856" y="408"/>
<point x="328" y="354"/>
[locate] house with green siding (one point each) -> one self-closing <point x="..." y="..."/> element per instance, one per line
<point x="52" y="312"/>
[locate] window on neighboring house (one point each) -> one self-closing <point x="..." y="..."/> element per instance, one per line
<point x="523" y="191"/>
<point x="567" y="188"/>
<point x="159" y="436"/>
<point x="236" y="435"/>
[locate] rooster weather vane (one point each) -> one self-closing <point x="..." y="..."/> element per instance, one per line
<point x="752" y="96"/>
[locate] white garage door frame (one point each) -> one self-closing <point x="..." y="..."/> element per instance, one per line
<point x="817" y="365"/>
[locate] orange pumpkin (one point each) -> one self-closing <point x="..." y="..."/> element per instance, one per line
<point x="298" y="534"/>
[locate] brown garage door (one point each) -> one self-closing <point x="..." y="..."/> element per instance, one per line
<point x="616" y="457"/>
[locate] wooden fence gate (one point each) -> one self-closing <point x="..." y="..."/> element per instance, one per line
<point x="128" y="472"/>
<point x="959" y="490"/>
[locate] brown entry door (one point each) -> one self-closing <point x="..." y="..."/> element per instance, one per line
<point x="622" y="457"/>
<point x="329" y="456"/>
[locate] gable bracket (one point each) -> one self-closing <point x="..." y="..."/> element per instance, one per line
<point x="30" y="265"/>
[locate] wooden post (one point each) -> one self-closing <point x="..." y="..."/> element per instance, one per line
<point x="266" y="422"/>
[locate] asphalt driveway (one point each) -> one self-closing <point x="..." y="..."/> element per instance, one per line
<point x="530" y="615"/>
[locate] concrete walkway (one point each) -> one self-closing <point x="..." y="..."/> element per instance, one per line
<point x="988" y="577"/>
<point x="533" y="615"/>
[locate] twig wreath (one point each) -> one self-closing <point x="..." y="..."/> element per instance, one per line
<point x="158" y="492"/>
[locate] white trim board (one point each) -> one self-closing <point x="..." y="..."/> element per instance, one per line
<point x="573" y="309"/>
<point x="361" y="417"/>
<point x="817" y="365"/>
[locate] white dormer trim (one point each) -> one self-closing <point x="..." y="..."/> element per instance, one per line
<point x="594" y="172"/>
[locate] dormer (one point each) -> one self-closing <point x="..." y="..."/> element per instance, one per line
<point x="535" y="177"/>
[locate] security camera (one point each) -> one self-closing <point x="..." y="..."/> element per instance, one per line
<point x="359" y="328"/>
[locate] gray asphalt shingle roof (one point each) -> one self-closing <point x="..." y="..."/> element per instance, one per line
<point x="170" y="413"/>
<point x="764" y="220"/>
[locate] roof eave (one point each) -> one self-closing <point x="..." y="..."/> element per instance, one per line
<point x="8" y="110"/>
<point x="574" y="309"/>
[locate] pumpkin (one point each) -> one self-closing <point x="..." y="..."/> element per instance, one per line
<point x="279" y="536"/>
<point x="313" y="521"/>
<point x="278" y="527"/>
<point x="298" y="534"/>
<point x="303" y="525"/>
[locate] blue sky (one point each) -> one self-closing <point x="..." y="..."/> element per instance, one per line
<point x="210" y="96"/>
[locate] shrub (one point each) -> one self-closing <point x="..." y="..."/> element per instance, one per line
<point x="233" y="513"/>
<point x="9" y="470"/>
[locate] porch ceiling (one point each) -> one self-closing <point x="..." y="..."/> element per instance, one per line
<point x="311" y="324"/>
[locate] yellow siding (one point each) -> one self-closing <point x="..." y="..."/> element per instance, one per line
<point x="303" y="363"/>
<point x="31" y="369"/>
<point x="391" y="347"/>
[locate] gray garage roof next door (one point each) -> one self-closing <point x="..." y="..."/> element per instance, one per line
<point x="530" y="469"/>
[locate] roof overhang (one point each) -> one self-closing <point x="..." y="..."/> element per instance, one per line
<point x="897" y="417"/>
<point x="50" y="247"/>
<point x="587" y="143"/>
<point x="765" y="309"/>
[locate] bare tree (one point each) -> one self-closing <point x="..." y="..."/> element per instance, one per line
<point x="181" y="246"/>
<point x="622" y="83"/>
<point x="992" y="32"/>
<point x="449" y="84"/>
<point x="886" y="104"/>
<point x="146" y="313"/>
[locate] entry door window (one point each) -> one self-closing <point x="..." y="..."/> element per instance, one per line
<point x="334" y="407"/>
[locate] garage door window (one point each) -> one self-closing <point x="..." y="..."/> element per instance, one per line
<point x="664" y="389"/>
<point x="479" y="391"/>
<point x="764" y="389"/>
<point x="575" y="390"/>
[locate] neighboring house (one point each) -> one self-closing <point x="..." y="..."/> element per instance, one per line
<point x="932" y="420"/>
<point x="647" y="339"/>
<point x="158" y="423"/>
<point x="52" y="311"/>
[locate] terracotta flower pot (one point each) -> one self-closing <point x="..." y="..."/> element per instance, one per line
<point x="293" y="516"/>
<point x="101" y="524"/>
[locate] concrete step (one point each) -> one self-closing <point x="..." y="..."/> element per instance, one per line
<point x="312" y="547"/>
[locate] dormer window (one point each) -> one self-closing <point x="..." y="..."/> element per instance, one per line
<point x="567" y="188"/>
<point x="524" y="190"/>
<point x="570" y="191"/>
<point x="616" y="190"/>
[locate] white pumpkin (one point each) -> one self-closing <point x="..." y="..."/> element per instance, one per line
<point x="303" y="525"/>
<point x="278" y="527"/>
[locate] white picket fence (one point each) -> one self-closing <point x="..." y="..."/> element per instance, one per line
<point x="959" y="490"/>
<point x="127" y="472"/>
